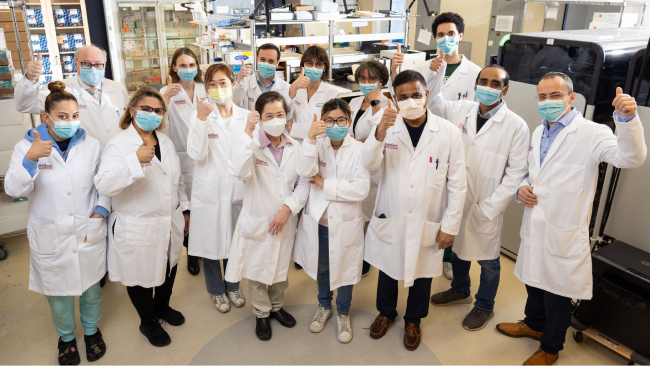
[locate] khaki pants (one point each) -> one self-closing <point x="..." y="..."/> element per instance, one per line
<point x="266" y="298"/>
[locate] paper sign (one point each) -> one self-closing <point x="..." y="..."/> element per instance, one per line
<point x="504" y="23"/>
<point x="179" y="7"/>
<point x="359" y="24"/>
<point x="424" y="36"/>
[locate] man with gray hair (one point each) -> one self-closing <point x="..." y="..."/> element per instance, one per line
<point x="554" y="259"/>
<point x="102" y="102"/>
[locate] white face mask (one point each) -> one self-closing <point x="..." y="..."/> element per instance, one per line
<point x="275" y="126"/>
<point x="412" y="108"/>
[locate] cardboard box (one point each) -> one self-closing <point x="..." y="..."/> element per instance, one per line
<point x="9" y="27"/>
<point x="6" y="91"/>
<point x="296" y="7"/>
<point x="5" y="16"/>
<point x="13" y="46"/>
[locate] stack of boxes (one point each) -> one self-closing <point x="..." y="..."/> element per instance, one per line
<point x="39" y="43"/>
<point x="34" y="18"/>
<point x="67" y="18"/>
<point x="70" y="42"/>
<point x="7" y="26"/>
<point x="6" y="68"/>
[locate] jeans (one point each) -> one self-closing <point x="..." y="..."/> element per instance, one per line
<point x="146" y="302"/>
<point x="325" y="294"/>
<point x="90" y="306"/>
<point x="487" y="290"/>
<point x="548" y="313"/>
<point x="214" y="282"/>
<point x="417" y="304"/>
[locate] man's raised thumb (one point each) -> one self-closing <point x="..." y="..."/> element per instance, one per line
<point x="315" y="118"/>
<point x="441" y="55"/>
<point x="390" y="104"/>
<point x="302" y="71"/>
<point x="39" y="57"/>
<point x="399" y="48"/>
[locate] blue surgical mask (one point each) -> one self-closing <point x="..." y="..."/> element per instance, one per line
<point x="265" y="69"/>
<point x="187" y="74"/>
<point x="313" y="73"/>
<point x="148" y="121"/>
<point x="486" y="95"/>
<point x="65" y="129"/>
<point x="91" y="76"/>
<point x="366" y="88"/>
<point x="447" y="44"/>
<point x="551" y="110"/>
<point x="336" y="133"/>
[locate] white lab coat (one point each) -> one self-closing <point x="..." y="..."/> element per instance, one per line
<point x="255" y="254"/>
<point x="304" y="109"/>
<point x="217" y="198"/>
<point x="497" y="160"/>
<point x="346" y="184"/>
<point x="67" y="247"/>
<point x="100" y="121"/>
<point x="421" y="191"/>
<point x="177" y="123"/>
<point x="367" y="121"/>
<point x="146" y="225"/>
<point x="248" y="91"/>
<point x="555" y="254"/>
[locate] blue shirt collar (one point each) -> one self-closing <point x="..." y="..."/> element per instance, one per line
<point x="565" y="120"/>
<point x="261" y="84"/>
<point x="491" y="112"/>
<point x="44" y="134"/>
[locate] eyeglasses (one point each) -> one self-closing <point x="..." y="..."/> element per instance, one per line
<point x="88" y="65"/>
<point x="158" y="111"/>
<point x="553" y="96"/>
<point x="370" y="80"/>
<point x="341" y="122"/>
<point x="318" y="65"/>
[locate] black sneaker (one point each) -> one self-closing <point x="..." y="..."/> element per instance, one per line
<point x="450" y="297"/>
<point x="68" y="353"/>
<point x="366" y="269"/>
<point x="155" y="333"/>
<point x="193" y="266"/>
<point x="95" y="346"/>
<point x="477" y="319"/>
<point x="171" y="316"/>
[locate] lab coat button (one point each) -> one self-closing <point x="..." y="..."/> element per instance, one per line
<point x="279" y="175"/>
<point x="410" y="212"/>
<point x="71" y="214"/>
<point x="331" y="217"/>
<point x="167" y="196"/>
<point x="280" y="196"/>
<point x="69" y="193"/>
<point x="74" y="251"/>
<point x="411" y="186"/>
<point x="332" y="235"/>
<point x="164" y="173"/>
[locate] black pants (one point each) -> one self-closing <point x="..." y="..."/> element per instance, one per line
<point x="417" y="304"/>
<point x="146" y="302"/>
<point x="548" y="313"/>
<point x="185" y="240"/>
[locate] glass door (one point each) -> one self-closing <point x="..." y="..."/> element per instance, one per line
<point x="140" y="44"/>
<point x="179" y="31"/>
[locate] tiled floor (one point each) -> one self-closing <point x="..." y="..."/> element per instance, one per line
<point x="27" y="335"/>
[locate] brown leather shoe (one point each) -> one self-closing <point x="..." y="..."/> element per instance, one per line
<point x="542" y="358"/>
<point x="380" y="326"/>
<point x="411" y="336"/>
<point x="518" y="330"/>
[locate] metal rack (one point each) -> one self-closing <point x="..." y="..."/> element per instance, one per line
<point x="11" y="5"/>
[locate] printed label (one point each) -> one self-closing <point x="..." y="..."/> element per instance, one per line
<point x="463" y="128"/>
<point x="82" y="106"/>
<point x="44" y="167"/>
<point x="213" y="136"/>
<point x="145" y="164"/>
<point x="261" y="162"/>
<point x="322" y="164"/>
<point x="182" y="101"/>
<point x="390" y="146"/>
<point x="251" y="100"/>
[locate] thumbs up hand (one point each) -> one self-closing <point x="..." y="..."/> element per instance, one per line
<point x="624" y="104"/>
<point x="245" y="71"/>
<point x="39" y="148"/>
<point x="387" y="121"/>
<point x="35" y="69"/>
<point x="317" y="128"/>
<point x="437" y="62"/>
<point x="145" y="152"/>
<point x="172" y="89"/>
<point x="251" y="122"/>
<point x="203" y="109"/>
<point x="300" y="83"/>
<point x="398" y="60"/>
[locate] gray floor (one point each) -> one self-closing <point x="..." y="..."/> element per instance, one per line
<point x="299" y="346"/>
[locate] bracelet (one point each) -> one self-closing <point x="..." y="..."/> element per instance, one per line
<point x="30" y="80"/>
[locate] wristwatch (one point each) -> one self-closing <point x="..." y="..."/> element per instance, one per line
<point x="375" y="102"/>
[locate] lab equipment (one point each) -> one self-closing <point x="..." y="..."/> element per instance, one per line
<point x="410" y="58"/>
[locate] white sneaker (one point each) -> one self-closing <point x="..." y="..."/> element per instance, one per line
<point x="344" y="333"/>
<point x="447" y="271"/>
<point x="320" y="319"/>
<point x="221" y="302"/>
<point x="236" y="298"/>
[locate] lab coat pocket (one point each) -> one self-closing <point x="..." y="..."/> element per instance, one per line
<point x="140" y="232"/>
<point x="430" y="234"/>
<point x="96" y="231"/>
<point x="437" y="174"/>
<point x="566" y="243"/>
<point x="42" y="238"/>
<point x="382" y="229"/>
<point x="253" y="228"/>
<point x="492" y="165"/>
<point x="568" y="178"/>
<point x="352" y="233"/>
<point x="479" y="223"/>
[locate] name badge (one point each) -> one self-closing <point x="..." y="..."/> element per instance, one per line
<point x="318" y="105"/>
<point x="322" y="164"/>
<point x="144" y="165"/>
<point x="463" y="128"/>
<point x="44" y="167"/>
<point x="297" y="103"/>
<point x="213" y="136"/>
<point x="182" y="101"/>
<point x="390" y="146"/>
<point x="261" y="162"/>
<point x="82" y="106"/>
<point x="251" y="100"/>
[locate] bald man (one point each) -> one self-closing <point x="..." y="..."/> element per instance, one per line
<point x="102" y="102"/>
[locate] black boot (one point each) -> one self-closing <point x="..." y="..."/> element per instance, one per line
<point x="366" y="269"/>
<point x="193" y="265"/>
<point x="155" y="333"/>
<point x="263" y="329"/>
<point x="284" y="318"/>
<point x="68" y="353"/>
<point x="95" y="346"/>
<point x="171" y="316"/>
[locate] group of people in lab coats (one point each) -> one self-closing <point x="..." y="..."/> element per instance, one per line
<point x="254" y="171"/>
